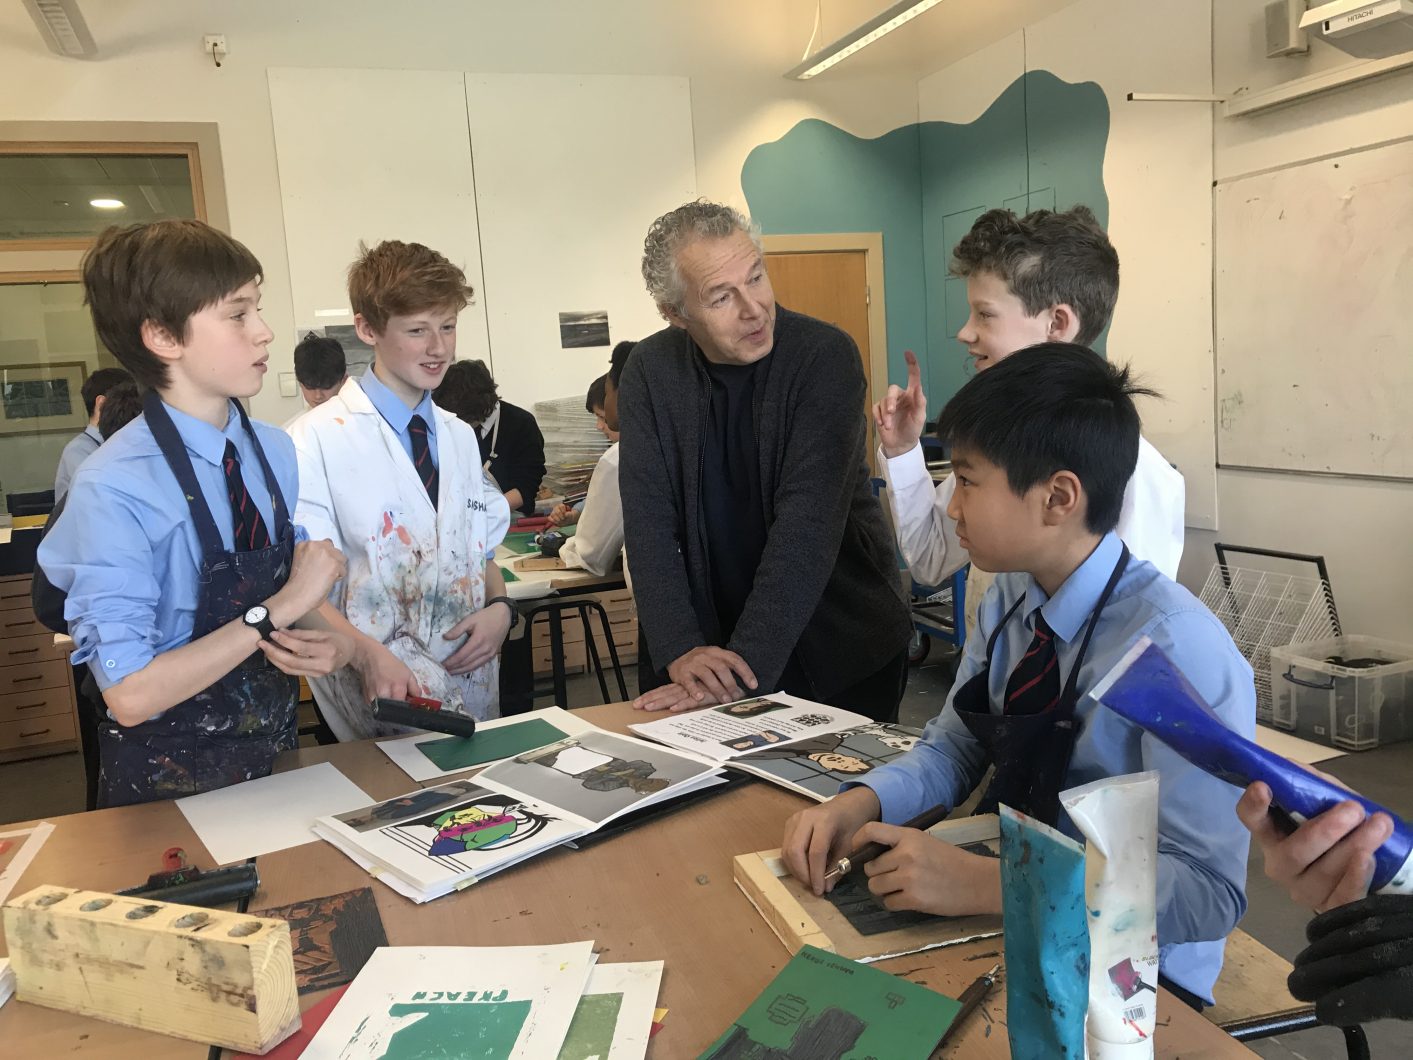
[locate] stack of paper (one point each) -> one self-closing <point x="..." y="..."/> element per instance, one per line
<point x="573" y="446"/>
<point x="431" y="841"/>
<point x="515" y="1002"/>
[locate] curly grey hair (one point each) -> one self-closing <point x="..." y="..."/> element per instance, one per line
<point x="670" y="232"/>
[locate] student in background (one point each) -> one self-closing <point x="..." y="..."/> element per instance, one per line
<point x="1359" y="965"/>
<point x="123" y="404"/>
<point x="94" y="392"/>
<point x="1043" y="445"/>
<point x="1044" y="277"/>
<point x="319" y="369"/>
<point x="563" y="514"/>
<point x="597" y="545"/>
<point x="512" y="447"/>
<point x="396" y="483"/>
<point x="181" y="564"/>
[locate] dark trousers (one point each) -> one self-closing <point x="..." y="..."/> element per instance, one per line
<point x="89" y="702"/>
<point x="877" y="696"/>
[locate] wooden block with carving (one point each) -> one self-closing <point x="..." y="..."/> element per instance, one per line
<point x="221" y="978"/>
<point x="539" y="563"/>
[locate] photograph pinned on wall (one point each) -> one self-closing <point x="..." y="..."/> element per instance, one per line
<point x="357" y="354"/>
<point x="39" y="398"/>
<point x="494" y="1003"/>
<point x="577" y="330"/>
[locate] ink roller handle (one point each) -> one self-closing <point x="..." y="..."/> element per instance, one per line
<point x="218" y="887"/>
<point x="866" y="853"/>
<point x="1146" y="689"/>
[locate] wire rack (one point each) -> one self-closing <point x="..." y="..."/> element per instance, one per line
<point x="1263" y="609"/>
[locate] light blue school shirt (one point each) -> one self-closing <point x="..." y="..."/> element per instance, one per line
<point x="125" y="547"/>
<point x="79" y="448"/>
<point x="1202" y="846"/>
<point x="398" y="415"/>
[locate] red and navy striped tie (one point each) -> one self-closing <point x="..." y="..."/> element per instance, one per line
<point x="1034" y="685"/>
<point x="250" y="532"/>
<point x="422" y="457"/>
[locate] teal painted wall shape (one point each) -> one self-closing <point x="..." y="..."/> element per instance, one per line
<point x="1040" y="144"/>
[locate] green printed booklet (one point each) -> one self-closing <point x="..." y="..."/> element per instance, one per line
<point x="430" y="755"/>
<point x="825" y="1007"/>
<point x="491" y="1003"/>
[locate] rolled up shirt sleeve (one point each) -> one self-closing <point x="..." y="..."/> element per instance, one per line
<point x="926" y="535"/>
<point x="108" y="570"/>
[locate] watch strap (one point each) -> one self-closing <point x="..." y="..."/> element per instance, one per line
<point x="508" y="602"/>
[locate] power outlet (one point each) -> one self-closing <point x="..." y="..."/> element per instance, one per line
<point x="288" y="385"/>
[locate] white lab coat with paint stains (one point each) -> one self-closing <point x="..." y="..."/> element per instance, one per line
<point x="414" y="572"/>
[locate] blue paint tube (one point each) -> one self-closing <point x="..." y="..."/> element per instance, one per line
<point x="1119" y="820"/>
<point x="1046" y="939"/>
<point x="1148" y="690"/>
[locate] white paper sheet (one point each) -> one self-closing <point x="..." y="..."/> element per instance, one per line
<point x="269" y="814"/>
<point x="625" y="992"/>
<point x="403" y="750"/>
<point x="515" y="1000"/>
<point x="1293" y="747"/>
<point x="31" y="839"/>
<point x="725" y="732"/>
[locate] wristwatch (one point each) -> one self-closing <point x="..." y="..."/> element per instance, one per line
<point x="258" y="618"/>
<point x="508" y="602"/>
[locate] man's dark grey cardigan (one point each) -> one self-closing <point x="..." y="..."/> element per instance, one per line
<point x="828" y="585"/>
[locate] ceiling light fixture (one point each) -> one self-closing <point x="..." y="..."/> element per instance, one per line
<point x="107" y="204"/>
<point x="62" y="26"/>
<point x="857" y="39"/>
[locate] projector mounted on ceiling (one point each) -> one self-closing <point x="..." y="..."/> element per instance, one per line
<point x="1369" y="28"/>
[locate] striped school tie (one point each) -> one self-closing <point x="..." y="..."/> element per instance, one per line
<point x="422" y="457"/>
<point x="1034" y="685"/>
<point x="250" y="532"/>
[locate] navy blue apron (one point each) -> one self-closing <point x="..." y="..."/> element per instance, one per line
<point x="1030" y="752"/>
<point x="232" y="730"/>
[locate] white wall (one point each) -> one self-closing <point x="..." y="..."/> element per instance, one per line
<point x="151" y="68"/>
<point x="1360" y="526"/>
<point x="1157" y="173"/>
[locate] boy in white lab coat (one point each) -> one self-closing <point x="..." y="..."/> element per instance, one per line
<point x="396" y="482"/>
<point x="1046" y="277"/>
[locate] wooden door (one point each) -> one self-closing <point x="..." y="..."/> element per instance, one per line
<point x="831" y="285"/>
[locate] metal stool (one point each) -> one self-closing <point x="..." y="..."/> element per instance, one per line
<point x="554" y="612"/>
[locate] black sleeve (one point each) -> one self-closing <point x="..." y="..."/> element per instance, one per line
<point x="521" y="460"/>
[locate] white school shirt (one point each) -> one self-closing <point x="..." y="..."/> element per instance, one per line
<point x="598" y="541"/>
<point x="1150" y="522"/>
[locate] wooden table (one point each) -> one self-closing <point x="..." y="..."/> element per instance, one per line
<point x="662" y="891"/>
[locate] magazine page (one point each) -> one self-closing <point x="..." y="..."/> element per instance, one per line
<point x="435" y="838"/>
<point x="429" y="755"/>
<point x="817" y="765"/>
<point x="726" y="732"/>
<point x="596" y="776"/>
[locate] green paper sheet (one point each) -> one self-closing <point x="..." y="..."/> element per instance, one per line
<point x="825" y="1007"/>
<point x="490" y="745"/>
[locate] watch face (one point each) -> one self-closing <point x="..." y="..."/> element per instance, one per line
<point x="257" y="614"/>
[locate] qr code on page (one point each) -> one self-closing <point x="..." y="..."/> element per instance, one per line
<point x="811" y="719"/>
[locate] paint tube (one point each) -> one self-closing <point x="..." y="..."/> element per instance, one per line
<point x="1046" y="939"/>
<point x="1119" y="820"/>
<point x="1145" y="688"/>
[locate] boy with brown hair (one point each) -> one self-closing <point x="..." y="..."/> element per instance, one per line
<point x="396" y="483"/>
<point x="182" y="567"/>
<point x="1046" y="277"/>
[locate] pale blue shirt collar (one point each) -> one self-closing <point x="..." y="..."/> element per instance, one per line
<point x="205" y="440"/>
<point x="1068" y="611"/>
<point x="391" y="408"/>
<point x="94" y="433"/>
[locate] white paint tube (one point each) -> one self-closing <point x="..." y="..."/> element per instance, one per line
<point x="1119" y="820"/>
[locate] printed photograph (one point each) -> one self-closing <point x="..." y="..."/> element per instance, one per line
<point x="406" y="806"/>
<point x="750" y="708"/>
<point x="583" y="329"/>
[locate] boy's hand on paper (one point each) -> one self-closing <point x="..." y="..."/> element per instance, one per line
<point x="712" y="672"/>
<point x="901" y="416"/>
<point x="484" y="632"/>
<point x="308" y="652"/>
<point x="383" y="674"/>
<point x="817" y="837"/>
<point x="1359" y="964"/>
<point x="1328" y="861"/>
<point x="671" y="697"/>
<point x="925" y="874"/>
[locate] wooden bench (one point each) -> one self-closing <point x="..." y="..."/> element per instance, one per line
<point x="1253" y="1000"/>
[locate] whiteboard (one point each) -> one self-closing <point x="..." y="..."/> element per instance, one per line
<point x="1314" y="315"/>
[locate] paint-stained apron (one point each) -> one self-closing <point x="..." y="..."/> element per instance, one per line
<point x="1031" y="752"/>
<point x="232" y="730"/>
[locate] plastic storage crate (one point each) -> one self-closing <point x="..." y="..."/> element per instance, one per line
<point x="1351" y="692"/>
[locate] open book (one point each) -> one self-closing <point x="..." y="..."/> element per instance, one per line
<point x="817" y="765"/>
<point x="734" y="730"/>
